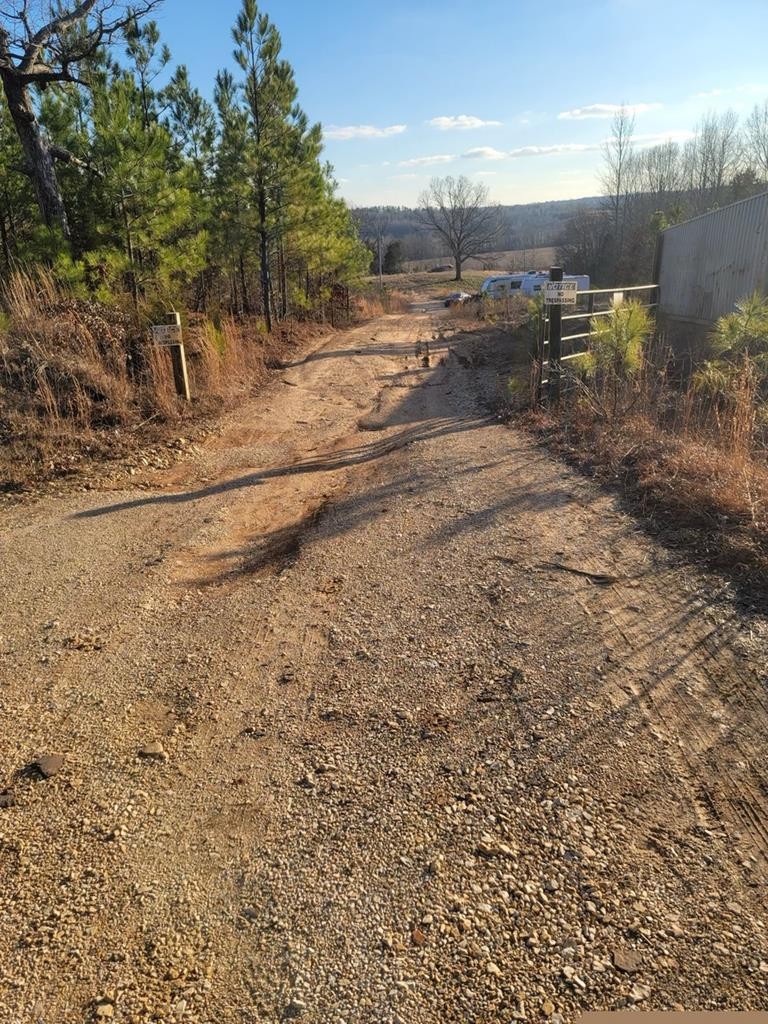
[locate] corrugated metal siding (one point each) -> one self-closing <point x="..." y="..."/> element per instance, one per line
<point x="711" y="261"/>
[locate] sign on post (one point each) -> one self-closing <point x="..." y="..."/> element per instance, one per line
<point x="553" y="293"/>
<point x="560" y="293"/>
<point x="167" y="334"/>
<point x="170" y="335"/>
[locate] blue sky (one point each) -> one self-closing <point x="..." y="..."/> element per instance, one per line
<point x="406" y="89"/>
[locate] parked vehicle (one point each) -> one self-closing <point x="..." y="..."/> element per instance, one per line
<point x="528" y="283"/>
<point x="457" y="298"/>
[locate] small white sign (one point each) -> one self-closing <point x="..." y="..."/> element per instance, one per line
<point x="560" y="293"/>
<point x="166" y="334"/>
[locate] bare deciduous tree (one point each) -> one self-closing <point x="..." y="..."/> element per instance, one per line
<point x="373" y="226"/>
<point x="711" y="159"/>
<point x="757" y="139"/>
<point x="659" y="171"/>
<point x="618" y="158"/>
<point x="585" y="247"/>
<point x="40" y="44"/>
<point x="458" y="211"/>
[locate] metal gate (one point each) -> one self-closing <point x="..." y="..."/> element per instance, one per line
<point x="556" y="348"/>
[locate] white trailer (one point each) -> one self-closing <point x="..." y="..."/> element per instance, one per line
<point x="502" y="285"/>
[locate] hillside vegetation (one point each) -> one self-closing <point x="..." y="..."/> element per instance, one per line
<point x="155" y="198"/>
<point x="690" y="450"/>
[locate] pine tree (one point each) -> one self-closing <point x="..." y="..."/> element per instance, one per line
<point x="270" y="93"/>
<point x="148" y="58"/>
<point x="152" y="240"/>
<point x="233" y="223"/>
<point x="167" y="198"/>
<point x="17" y="201"/>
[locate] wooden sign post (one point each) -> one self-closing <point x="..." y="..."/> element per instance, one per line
<point x="170" y="335"/>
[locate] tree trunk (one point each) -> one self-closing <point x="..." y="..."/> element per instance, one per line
<point x="234" y="298"/>
<point x="39" y="161"/>
<point x="7" y="258"/>
<point x="283" y="284"/>
<point x="243" y="286"/>
<point x="266" y="287"/>
<point x="11" y="220"/>
<point x="132" y="282"/>
<point x="458" y="261"/>
<point x="7" y="234"/>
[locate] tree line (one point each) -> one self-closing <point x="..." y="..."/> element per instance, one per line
<point x="648" y="189"/>
<point x="117" y="172"/>
<point x="520" y="227"/>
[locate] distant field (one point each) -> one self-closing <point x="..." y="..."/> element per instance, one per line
<point x="422" y="284"/>
<point x="513" y="259"/>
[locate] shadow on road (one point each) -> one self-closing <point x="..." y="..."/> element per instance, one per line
<point x="421" y="417"/>
<point x="329" y="462"/>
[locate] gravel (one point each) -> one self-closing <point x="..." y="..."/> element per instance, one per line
<point x="336" y="748"/>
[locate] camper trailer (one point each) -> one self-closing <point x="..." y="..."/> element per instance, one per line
<point x="529" y="284"/>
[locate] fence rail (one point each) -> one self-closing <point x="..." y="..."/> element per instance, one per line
<point x="598" y="302"/>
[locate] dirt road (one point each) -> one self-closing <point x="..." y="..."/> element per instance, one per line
<point x="373" y="711"/>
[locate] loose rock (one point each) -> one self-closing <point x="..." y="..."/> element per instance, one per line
<point x="153" y="751"/>
<point x="48" y="764"/>
<point x="627" y="960"/>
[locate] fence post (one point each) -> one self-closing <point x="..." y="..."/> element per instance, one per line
<point x="179" y="359"/>
<point x="658" y="256"/>
<point x="555" y="341"/>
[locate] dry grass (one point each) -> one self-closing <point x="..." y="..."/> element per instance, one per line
<point x="509" y="260"/>
<point x="79" y="380"/>
<point x="421" y="286"/>
<point x="375" y="302"/>
<point x="696" y="465"/>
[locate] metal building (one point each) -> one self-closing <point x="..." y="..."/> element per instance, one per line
<point x="706" y="264"/>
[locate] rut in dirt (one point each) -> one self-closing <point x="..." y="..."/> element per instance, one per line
<point x="400" y="761"/>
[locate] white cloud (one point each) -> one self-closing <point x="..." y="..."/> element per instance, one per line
<point x="603" y="110"/>
<point x="656" y="139"/>
<point x="362" y="131"/>
<point x="489" y="153"/>
<point x="752" y="89"/>
<point x="484" y="153"/>
<point x="485" y="174"/>
<point x="461" y="122"/>
<point x="563" y="147"/>
<point x="425" y="161"/>
<point x="404" y="177"/>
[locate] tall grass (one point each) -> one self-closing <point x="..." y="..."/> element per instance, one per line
<point x="62" y="360"/>
<point x="694" y="456"/>
<point x="380" y="302"/>
<point x="73" y="372"/>
<point x="78" y="376"/>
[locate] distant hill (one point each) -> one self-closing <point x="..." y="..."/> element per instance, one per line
<point x="524" y="226"/>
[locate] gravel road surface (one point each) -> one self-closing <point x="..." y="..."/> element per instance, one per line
<point x="374" y="711"/>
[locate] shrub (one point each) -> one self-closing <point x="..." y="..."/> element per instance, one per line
<point x="606" y="374"/>
<point x="744" y="333"/>
<point x="617" y="342"/>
